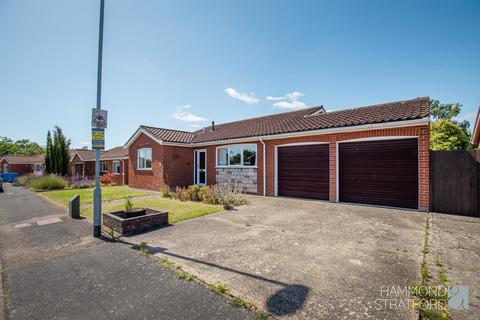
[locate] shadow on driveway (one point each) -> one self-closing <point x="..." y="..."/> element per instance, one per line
<point x="285" y="301"/>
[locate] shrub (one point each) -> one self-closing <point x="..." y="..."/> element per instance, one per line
<point x="166" y="192"/>
<point x="229" y="196"/>
<point x="25" y="180"/>
<point x="207" y="195"/>
<point x="106" y="178"/>
<point x="128" y="204"/>
<point x="193" y="193"/>
<point x="50" y="182"/>
<point x="180" y="194"/>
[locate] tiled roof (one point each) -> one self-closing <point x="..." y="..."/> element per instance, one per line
<point x="114" y="153"/>
<point x="85" y="155"/>
<point x="169" y="135"/>
<point x="24" y="159"/>
<point x="300" y="121"/>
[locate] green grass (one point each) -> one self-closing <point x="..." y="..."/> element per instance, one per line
<point x="177" y="210"/>
<point x="62" y="197"/>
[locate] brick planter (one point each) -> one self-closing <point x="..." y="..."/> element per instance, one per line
<point x="134" y="222"/>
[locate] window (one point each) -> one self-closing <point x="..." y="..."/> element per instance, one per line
<point x="116" y="167"/>
<point x="237" y="156"/>
<point x="38" y="167"/>
<point x="144" y="160"/>
<point x="103" y="167"/>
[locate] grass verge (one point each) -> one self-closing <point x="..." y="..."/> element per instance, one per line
<point x="62" y="197"/>
<point x="177" y="210"/>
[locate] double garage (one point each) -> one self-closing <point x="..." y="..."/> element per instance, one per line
<point x="377" y="172"/>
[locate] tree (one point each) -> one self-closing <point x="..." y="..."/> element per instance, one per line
<point x="48" y="159"/>
<point x="22" y="147"/>
<point x="446" y="133"/>
<point x="57" y="152"/>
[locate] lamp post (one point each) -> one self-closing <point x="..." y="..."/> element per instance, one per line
<point x="97" y="193"/>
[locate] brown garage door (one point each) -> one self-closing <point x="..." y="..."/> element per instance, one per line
<point x="379" y="172"/>
<point x="303" y="171"/>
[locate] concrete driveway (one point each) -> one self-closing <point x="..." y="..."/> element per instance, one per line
<point x="302" y="259"/>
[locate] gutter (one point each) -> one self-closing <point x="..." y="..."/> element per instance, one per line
<point x="263" y="169"/>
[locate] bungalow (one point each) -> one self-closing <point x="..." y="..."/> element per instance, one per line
<point x="23" y="164"/>
<point x="476" y="130"/>
<point x="376" y="154"/>
<point x="114" y="161"/>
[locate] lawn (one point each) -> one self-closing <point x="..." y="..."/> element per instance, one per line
<point x="177" y="210"/>
<point x="62" y="197"/>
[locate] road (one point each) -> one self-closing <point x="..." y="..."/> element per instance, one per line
<point x="53" y="269"/>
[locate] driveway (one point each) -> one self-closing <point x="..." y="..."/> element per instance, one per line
<point x="302" y="259"/>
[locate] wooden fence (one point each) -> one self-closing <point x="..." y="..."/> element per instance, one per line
<point x="455" y="182"/>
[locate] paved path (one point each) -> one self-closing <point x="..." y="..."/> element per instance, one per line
<point x="53" y="269"/>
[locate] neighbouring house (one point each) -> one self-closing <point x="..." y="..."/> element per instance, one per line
<point x="34" y="165"/>
<point x="114" y="161"/>
<point x="476" y="131"/>
<point x="376" y="155"/>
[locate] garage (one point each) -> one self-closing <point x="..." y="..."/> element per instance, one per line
<point x="382" y="172"/>
<point x="303" y="171"/>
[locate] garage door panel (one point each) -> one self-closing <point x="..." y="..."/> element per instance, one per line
<point x="379" y="172"/>
<point x="303" y="171"/>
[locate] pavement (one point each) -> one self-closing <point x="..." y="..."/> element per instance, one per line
<point x="301" y="259"/>
<point x="456" y="242"/>
<point x="53" y="269"/>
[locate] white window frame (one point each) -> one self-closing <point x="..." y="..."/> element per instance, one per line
<point x="241" y="165"/>
<point x="116" y="162"/>
<point x="138" y="159"/>
<point x="102" y="164"/>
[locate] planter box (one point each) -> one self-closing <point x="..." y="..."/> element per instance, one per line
<point x="135" y="221"/>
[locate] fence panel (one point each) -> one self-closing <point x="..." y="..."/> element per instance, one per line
<point x="455" y="182"/>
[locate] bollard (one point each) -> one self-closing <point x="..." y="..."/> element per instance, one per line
<point x="74" y="207"/>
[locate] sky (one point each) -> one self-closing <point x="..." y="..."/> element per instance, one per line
<point x="182" y="64"/>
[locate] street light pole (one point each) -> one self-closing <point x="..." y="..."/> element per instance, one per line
<point x="97" y="193"/>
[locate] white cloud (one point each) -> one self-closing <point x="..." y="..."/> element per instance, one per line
<point x="184" y="115"/>
<point x="289" y="105"/>
<point x="288" y="101"/>
<point x="248" y="98"/>
<point x="292" y="96"/>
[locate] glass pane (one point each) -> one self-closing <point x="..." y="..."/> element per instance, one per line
<point x="201" y="177"/>
<point x="249" y="155"/>
<point x="201" y="162"/>
<point x="222" y="157"/>
<point x="234" y="156"/>
<point x="148" y="163"/>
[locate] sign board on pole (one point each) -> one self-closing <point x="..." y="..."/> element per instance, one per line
<point x="98" y="138"/>
<point x="99" y="118"/>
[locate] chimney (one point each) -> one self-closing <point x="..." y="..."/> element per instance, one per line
<point x="213" y="125"/>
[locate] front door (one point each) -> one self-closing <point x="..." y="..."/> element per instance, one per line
<point x="201" y="167"/>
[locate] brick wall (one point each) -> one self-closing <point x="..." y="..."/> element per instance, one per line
<point x="145" y="179"/>
<point x="17" y="168"/>
<point x="172" y="166"/>
<point x="243" y="178"/>
<point x="118" y="179"/>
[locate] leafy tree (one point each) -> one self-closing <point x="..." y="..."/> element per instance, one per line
<point x="446" y="133"/>
<point x="57" y="153"/>
<point x="22" y="147"/>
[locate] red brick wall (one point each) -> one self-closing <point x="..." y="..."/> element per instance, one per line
<point x="118" y="178"/>
<point x="18" y="168"/>
<point x="172" y="166"/>
<point x="422" y="132"/>
<point x="177" y="166"/>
